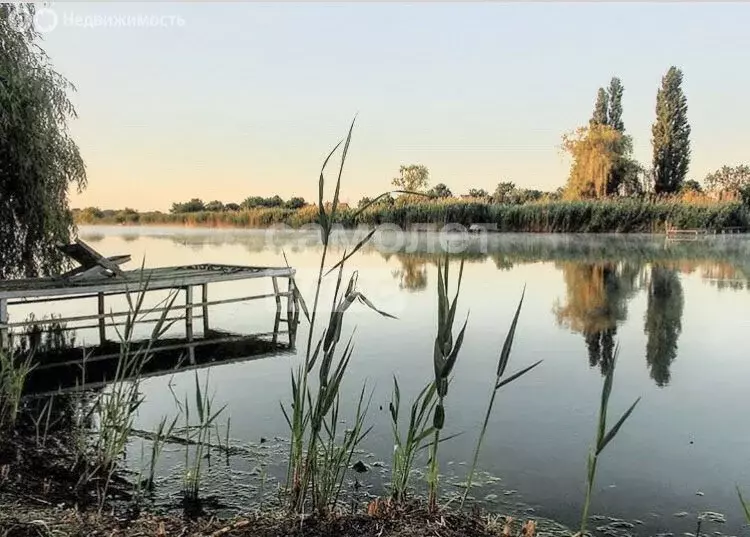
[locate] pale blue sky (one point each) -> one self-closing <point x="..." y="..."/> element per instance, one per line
<point x="247" y="98"/>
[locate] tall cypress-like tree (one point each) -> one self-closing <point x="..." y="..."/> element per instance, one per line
<point x="600" y="109"/>
<point x="670" y="134"/>
<point x="614" y="107"/>
<point x="608" y="112"/>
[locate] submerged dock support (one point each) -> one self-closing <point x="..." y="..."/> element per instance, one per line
<point x="291" y="311"/>
<point x="4" y="332"/>
<point x="204" y="300"/>
<point x="102" y="325"/>
<point x="189" y="313"/>
<point x="291" y="307"/>
<point x="189" y="321"/>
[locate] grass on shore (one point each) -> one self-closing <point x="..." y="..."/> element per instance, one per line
<point x="621" y="215"/>
<point x="25" y="519"/>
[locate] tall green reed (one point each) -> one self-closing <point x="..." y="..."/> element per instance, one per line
<point x="336" y="452"/>
<point x="502" y="364"/>
<point x="316" y="458"/>
<point x="603" y="437"/>
<point x="308" y="423"/>
<point x="163" y="432"/>
<point x="745" y="505"/>
<point x="445" y="355"/>
<point x="114" y="410"/>
<point x="418" y="432"/>
<point x="197" y="441"/>
<point x="14" y="370"/>
<point x="44" y="417"/>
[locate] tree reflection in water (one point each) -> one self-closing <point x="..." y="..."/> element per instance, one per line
<point x="412" y="275"/>
<point x="663" y="323"/>
<point x="596" y="301"/>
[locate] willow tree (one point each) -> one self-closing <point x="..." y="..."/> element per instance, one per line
<point x="38" y="159"/>
<point x="596" y="150"/>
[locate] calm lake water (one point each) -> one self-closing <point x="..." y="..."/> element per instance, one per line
<point x="679" y="312"/>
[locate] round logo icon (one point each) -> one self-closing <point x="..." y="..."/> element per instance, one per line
<point x="45" y="20"/>
<point x="21" y="19"/>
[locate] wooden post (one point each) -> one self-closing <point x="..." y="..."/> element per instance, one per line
<point x="291" y="312"/>
<point x="189" y="313"/>
<point x="204" y="297"/>
<point x="275" y="281"/>
<point x="102" y="326"/>
<point x="4" y="332"/>
<point x="290" y="300"/>
<point x="189" y="322"/>
<point x="276" y="325"/>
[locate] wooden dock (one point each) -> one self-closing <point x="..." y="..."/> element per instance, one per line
<point x="676" y="234"/>
<point x="99" y="277"/>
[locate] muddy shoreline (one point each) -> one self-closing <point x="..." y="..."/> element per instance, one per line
<point x="41" y="493"/>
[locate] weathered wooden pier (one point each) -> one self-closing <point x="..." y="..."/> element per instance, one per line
<point x="678" y="234"/>
<point x="100" y="278"/>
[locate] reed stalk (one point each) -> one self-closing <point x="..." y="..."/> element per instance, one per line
<point x="745" y="505"/>
<point x="405" y="449"/>
<point x="445" y="355"/>
<point x="315" y="455"/>
<point x="197" y="441"/>
<point x="499" y="382"/>
<point x="14" y="370"/>
<point x="163" y="432"/>
<point x="114" y="410"/>
<point x="603" y="437"/>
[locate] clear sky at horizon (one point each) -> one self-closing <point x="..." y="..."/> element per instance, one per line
<point x="247" y="98"/>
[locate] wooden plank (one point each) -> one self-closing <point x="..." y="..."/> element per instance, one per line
<point x="88" y="258"/>
<point x="55" y="288"/>
<point x="97" y="270"/>
<point x="125" y="313"/>
<point x="124" y="323"/>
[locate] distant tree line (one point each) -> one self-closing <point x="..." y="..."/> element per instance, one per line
<point x="197" y="205"/>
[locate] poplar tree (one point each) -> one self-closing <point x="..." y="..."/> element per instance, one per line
<point x="600" y="108"/>
<point x="614" y="106"/>
<point x="608" y="113"/>
<point x="670" y="134"/>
